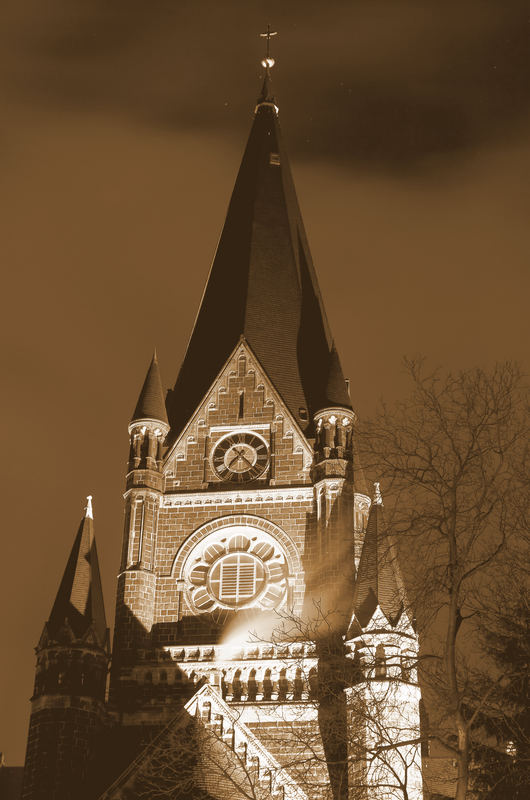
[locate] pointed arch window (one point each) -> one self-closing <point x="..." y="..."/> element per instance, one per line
<point x="380" y="662"/>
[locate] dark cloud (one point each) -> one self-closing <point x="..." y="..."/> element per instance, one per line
<point x="383" y="83"/>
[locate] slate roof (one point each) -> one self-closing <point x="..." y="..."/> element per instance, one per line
<point x="151" y="403"/>
<point x="377" y="583"/>
<point x="80" y="596"/>
<point x="262" y="286"/>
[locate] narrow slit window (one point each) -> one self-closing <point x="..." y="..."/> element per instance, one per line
<point x="241" y="404"/>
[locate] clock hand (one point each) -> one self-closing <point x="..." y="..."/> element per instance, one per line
<point x="246" y="459"/>
<point x="236" y="457"/>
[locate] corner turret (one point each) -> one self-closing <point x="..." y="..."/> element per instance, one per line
<point x="383" y="647"/>
<point x="148" y="430"/>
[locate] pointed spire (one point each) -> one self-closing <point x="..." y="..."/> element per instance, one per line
<point x="336" y="387"/>
<point x="263" y="286"/>
<point x="79" y="601"/>
<point x="378" y="582"/>
<point x="150" y="403"/>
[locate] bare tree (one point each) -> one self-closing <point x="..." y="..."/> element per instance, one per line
<point x="452" y="458"/>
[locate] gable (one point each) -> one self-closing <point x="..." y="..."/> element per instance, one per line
<point x="241" y="400"/>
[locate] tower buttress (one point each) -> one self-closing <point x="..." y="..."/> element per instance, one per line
<point x="332" y="473"/>
<point x="67" y="707"/>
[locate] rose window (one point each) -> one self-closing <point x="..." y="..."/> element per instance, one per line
<point x="237" y="570"/>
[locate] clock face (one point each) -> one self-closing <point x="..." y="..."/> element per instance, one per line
<point x="240" y="457"/>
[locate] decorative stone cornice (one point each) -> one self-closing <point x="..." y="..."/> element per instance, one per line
<point x="258" y="650"/>
<point x="300" y="494"/>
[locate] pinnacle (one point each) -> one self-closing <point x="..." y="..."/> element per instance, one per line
<point x="377" y="581"/>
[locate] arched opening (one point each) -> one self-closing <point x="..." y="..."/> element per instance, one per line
<point x="298" y="687"/>
<point x="313" y="684"/>
<point x="252" y="686"/>
<point x="237" y="686"/>
<point x="283" y="686"/>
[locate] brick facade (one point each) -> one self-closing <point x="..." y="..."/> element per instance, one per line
<point x="308" y="510"/>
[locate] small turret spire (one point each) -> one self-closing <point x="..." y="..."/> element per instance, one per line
<point x="378" y="579"/>
<point x="151" y="403"/>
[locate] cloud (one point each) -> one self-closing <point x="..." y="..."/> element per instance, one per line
<point x="383" y="83"/>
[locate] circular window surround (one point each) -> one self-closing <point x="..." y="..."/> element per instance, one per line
<point x="236" y="562"/>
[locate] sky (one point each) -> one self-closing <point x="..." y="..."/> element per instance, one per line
<point x="122" y="127"/>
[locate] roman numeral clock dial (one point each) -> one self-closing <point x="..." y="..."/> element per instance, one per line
<point x="240" y="457"/>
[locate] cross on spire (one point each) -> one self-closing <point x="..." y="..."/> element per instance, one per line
<point x="268" y="62"/>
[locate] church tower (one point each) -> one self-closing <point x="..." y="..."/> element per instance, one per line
<point x="261" y="636"/>
<point x="68" y="703"/>
<point x="241" y="497"/>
